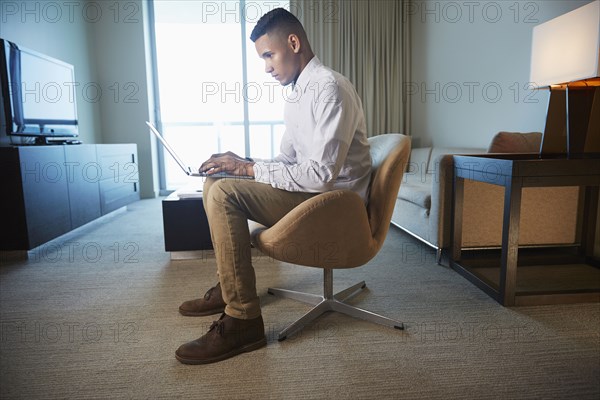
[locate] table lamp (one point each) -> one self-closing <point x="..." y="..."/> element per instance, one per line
<point x="565" y="58"/>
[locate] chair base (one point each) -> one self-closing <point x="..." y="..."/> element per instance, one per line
<point x="330" y="302"/>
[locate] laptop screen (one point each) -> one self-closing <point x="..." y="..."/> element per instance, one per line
<point x="185" y="168"/>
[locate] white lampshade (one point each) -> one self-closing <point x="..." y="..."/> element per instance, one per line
<point x="566" y="48"/>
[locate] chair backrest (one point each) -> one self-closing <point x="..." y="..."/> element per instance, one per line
<point x="389" y="155"/>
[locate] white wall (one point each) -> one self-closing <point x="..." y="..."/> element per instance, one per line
<point x="470" y="69"/>
<point x="120" y="56"/>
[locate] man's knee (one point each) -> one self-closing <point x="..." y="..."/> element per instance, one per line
<point x="207" y="185"/>
<point x="218" y="191"/>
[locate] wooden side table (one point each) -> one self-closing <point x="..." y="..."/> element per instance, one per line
<point x="514" y="276"/>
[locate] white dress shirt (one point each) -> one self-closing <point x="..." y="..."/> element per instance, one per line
<point x="325" y="145"/>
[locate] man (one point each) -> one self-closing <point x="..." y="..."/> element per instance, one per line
<point x="324" y="148"/>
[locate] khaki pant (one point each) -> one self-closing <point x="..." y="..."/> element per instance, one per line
<point x="229" y="204"/>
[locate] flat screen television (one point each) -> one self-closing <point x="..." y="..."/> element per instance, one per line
<point x="38" y="94"/>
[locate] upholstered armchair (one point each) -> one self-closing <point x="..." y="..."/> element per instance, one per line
<point x="336" y="230"/>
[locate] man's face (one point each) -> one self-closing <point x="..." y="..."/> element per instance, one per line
<point x="280" y="55"/>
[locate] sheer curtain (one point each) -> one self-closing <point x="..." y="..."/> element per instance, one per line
<point x="368" y="42"/>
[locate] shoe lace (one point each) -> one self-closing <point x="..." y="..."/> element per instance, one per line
<point x="219" y="326"/>
<point x="209" y="293"/>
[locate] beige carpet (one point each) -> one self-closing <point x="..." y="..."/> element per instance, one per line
<point x="94" y="315"/>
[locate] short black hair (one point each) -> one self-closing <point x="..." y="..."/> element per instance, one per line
<point x="278" y="19"/>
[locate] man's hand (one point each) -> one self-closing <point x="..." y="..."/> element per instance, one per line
<point x="228" y="162"/>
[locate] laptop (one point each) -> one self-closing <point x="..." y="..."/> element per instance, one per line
<point x="189" y="171"/>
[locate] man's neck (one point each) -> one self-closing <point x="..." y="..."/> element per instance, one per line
<point x="304" y="60"/>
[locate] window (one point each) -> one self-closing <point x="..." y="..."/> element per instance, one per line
<point x="213" y="93"/>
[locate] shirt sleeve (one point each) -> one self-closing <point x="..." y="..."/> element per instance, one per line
<point x="335" y="125"/>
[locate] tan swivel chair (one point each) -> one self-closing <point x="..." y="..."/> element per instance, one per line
<point x="336" y="230"/>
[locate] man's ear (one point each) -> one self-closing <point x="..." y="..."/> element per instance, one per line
<point x="294" y="43"/>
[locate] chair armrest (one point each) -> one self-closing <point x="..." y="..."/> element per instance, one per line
<point x="330" y="230"/>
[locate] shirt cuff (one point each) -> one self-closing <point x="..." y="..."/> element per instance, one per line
<point x="261" y="172"/>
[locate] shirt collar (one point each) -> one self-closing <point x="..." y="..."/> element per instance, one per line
<point x="304" y="77"/>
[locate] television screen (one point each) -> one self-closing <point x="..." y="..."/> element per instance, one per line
<point x="38" y="93"/>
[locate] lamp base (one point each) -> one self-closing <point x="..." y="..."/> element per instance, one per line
<point x="583" y="120"/>
<point x="573" y="121"/>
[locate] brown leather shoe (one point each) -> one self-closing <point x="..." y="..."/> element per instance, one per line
<point x="225" y="338"/>
<point x="211" y="303"/>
